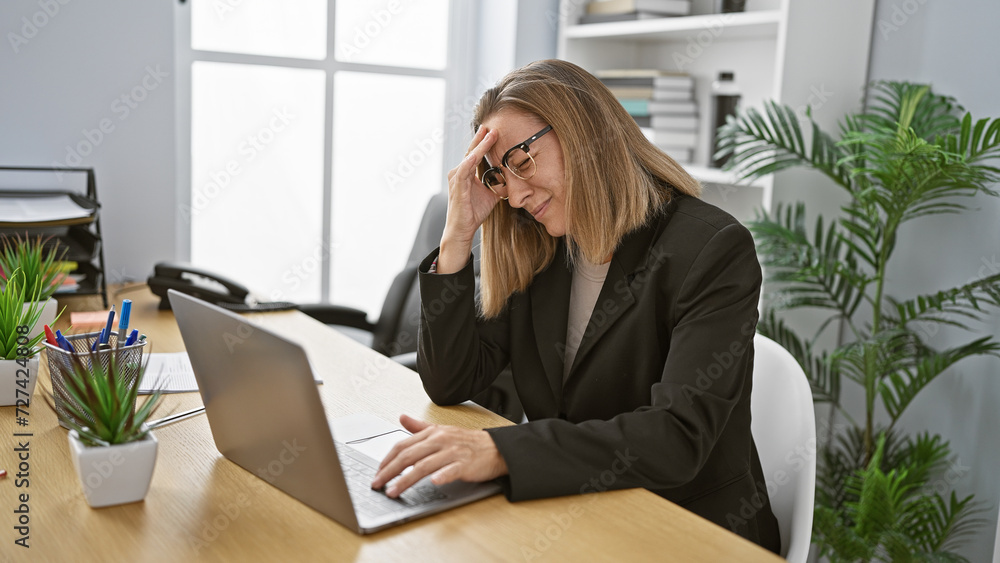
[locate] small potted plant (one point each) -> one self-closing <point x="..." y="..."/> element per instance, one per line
<point x="42" y="273"/>
<point x="18" y="349"/>
<point x="113" y="450"/>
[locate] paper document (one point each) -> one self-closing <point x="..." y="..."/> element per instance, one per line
<point x="40" y="209"/>
<point x="170" y="372"/>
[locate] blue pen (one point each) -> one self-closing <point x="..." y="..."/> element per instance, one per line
<point x="63" y="342"/>
<point x="106" y="334"/>
<point x="132" y="337"/>
<point x="123" y="319"/>
<point x="99" y="340"/>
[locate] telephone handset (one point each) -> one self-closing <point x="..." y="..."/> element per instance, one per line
<point x="207" y="286"/>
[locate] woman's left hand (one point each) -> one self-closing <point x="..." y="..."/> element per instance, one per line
<point x="448" y="452"/>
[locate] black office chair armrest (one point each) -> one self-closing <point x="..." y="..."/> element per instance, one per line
<point x="327" y="313"/>
<point x="408" y="359"/>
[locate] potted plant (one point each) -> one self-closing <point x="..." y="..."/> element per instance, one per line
<point x="908" y="155"/>
<point x="18" y="349"/>
<point x="113" y="450"/>
<point x="42" y="272"/>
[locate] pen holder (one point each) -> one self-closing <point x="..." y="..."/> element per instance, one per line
<point x="127" y="360"/>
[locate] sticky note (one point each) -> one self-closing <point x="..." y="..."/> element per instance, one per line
<point x="91" y="318"/>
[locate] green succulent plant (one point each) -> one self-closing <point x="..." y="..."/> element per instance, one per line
<point x="14" y="316"/>
<point x="909" y="155"/>
<point x="101" y="399"/>
<point x="40" y="266"/>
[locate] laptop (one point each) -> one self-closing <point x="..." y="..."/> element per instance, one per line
<point x="266" y="416"/>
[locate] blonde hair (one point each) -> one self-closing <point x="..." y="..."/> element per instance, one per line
<point x="615" y="178"/>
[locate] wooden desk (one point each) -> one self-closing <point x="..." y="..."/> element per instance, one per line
<point x="202" y="507"/>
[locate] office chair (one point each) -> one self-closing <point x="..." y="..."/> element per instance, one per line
<point x="394" y="333"/>
<point x="784" y="428"/>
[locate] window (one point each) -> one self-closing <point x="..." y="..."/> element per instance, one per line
<point x="317" y="134"/>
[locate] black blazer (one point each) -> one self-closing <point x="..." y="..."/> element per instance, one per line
<point x="659" y="393"/>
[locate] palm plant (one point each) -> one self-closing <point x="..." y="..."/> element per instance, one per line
<point x="908" y="155"/>
<point x="889" y="518"/>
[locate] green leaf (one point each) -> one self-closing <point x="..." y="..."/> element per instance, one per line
<point x="967" y="301"/>
<point x="977" y="143"/>
<point x="821" y="273"/>
<point x="923" y="455"/>
<point x="899" y="388"/>
<point x="761" y="144"/>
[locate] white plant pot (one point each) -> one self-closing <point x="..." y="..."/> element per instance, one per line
<point x="116" y="474"/>
<point x="49" y="311"/>
<point x="17" y="381"/>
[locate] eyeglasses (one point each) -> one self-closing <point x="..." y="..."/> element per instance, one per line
<point x="518" y="160"/>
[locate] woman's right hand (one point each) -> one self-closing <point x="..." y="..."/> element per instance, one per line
<point x="469" y="202"/>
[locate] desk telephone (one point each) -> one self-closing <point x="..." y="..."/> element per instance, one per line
<point x="207" y="286"/>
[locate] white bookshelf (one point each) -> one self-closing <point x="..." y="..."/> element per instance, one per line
<point x="786" y="50"/>
<point x="739" y="26"/>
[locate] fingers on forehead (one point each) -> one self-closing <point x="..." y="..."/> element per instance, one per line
<point x="496" y="152"/>
<point x="480" y="133"/>
<point x="483" y="147"/>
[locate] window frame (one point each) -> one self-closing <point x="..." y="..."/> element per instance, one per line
<point x="461" y="59"/>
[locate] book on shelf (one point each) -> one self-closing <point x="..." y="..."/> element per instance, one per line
<point x="658" y="94"/>
<point x="69" y="283"/>
<point x="681" y="154"/>
<point x="687" y="107"/>
<point x="665" y="81"/>
<point x="625" y="17"/>
<point x="670" y="137"/>
<point x="642" y="107"/>
<point x="66" y="266"/>
<point x="674" y="122"/>
<point x="667" y="7"/>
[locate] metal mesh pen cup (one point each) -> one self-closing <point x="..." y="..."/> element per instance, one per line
<point x="128" y="360"/>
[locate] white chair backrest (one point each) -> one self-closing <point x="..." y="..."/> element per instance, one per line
<point x="996" y="545"/>
<point x="784" y="429"/>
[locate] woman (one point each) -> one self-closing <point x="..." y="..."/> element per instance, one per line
<point x="625" y="307"/>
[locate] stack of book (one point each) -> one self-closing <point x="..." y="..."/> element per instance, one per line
<point x="601" y="11"/>
<point x="70" y="282"/>
<point x="663" y="105"/>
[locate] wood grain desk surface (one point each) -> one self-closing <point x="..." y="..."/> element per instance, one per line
<point x="202" y="507"/>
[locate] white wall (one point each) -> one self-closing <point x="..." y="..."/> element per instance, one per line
<point x="513" y="33"/>
<point x="64" y="73"/>
<point x="952" y="45"/>
<point x="537" y="22"/>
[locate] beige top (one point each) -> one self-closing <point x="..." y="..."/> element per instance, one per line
<point x="588" y="279"/>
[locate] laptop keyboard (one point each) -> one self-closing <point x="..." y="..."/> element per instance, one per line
<point x="359" y="472"/>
